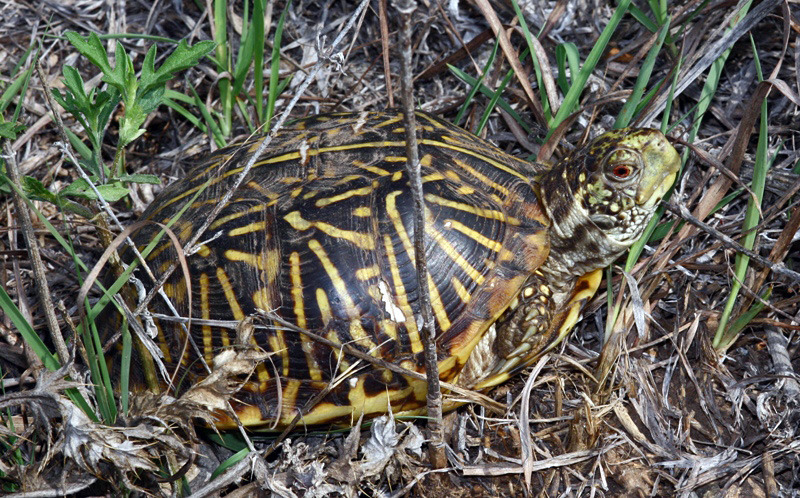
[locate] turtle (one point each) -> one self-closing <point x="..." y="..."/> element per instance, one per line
<point x="317" y="242"/>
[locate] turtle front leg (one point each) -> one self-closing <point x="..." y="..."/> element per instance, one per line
<point x="537" y="321"/>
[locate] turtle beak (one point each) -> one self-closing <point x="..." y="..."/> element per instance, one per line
<point x="661" y="165"/>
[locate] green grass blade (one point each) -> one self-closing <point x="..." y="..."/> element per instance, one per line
<point x="567" y="56"/>
<point x="275" y="67"/>
<point x="537" y="68"/>
<point x="712" y="79"/>
<point x="172" y="100"/>
<point x="640" y="16"/>
<point x="258" y="57"/>
<point x="626" y="114"/>
<point x="33" y="341"/>
<point x="124" y="381"/>
<point x="493" y="103"/>
<point x="216" y="128"/>
<point x="31" y="338"/>
<point x="17" y="88"/>
<point x="571" y="100"/>
<point x="474" y="88"/>
<point x="223" y="65"/>
<point x="242" y="67"/>
<point x="469" y="80"/>
<point x="230" y="462"/>
<point x="724" y="336"/>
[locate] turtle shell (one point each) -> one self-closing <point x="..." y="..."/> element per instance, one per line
<point x="320" y="234"/>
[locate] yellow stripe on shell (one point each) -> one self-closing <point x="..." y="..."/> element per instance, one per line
<point x="359" y="335"/>
<point x="324" y="306"/>
<point x="368" y="272"/>
<point x="233" y="303"/>
<point x="344" y="180"/>
<point x="358" y="239"/>
<point x="333" y="274"/>
<point x="294" y="155"/>
<point x="289" y="398"/>
<point x="453" y="254"/>
<point x="235" y="216"/>
<point x="401" y="295"/>
<point x="469" y="208"/>
<point x="485" y="180"/>
<point x="476" y="236"/>
<point x="255" y="260"/>
<point x="326" y="201"/>
<point x="433" y="177"/>
<point x="394" y="216"/>
<point x="297" y="290"/>
<point x="389" y="121"/>
<point x="277" y="345"/>
<point x="476" y="155"/>
<point x="205" y="314"/>
<point x="438" y="306"/>
<point x="389" y="327"/>
<point x="462" y="291"/>
<point x="369" y="167"/>
<point x="230" y="294"/>
<point x="290" y="156"/>
<point x="258" y="226"/>
<point x="465" y="190"/>
<point x="326" y="315"/>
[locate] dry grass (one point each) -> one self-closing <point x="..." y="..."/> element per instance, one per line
<point x="656" y="410"/>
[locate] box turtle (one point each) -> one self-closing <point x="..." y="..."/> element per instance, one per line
<point x="320" y="234"/>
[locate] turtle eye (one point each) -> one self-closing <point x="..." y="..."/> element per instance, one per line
<point x="621" y="165"/>
<point x="622" y="171"/>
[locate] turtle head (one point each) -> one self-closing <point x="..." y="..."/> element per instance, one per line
<point x="601" y="197"/>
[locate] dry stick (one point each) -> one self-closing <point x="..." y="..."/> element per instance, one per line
<point x="436" y="451"/>
<point x="472" y="396"/>
<point x="513" y="57"/>
<point x="782" y="365"/>
<point x="768" y="470"/>
<point x="387" y="69"/>
<point x="728" y="242"/>
<point x="36" y="259"/>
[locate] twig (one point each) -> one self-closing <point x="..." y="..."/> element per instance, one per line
<point x="781" y="362"/>
<point x="32" y="244"/>
<point x="387" y="68"/>
<point x="526" y="441"/>
<point x="436" y="448"/>
<point x="471" y="396"/>
<point x="728" y="242"/>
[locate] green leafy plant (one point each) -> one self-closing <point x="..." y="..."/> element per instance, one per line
<point x="93" y="109"/>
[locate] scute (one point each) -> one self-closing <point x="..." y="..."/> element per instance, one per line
<point x="295" y="241"/>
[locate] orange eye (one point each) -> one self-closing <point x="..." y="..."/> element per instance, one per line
<point x="622" y="171"/>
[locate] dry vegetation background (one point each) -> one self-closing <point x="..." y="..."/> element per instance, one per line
<point x="671" y="415"/>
